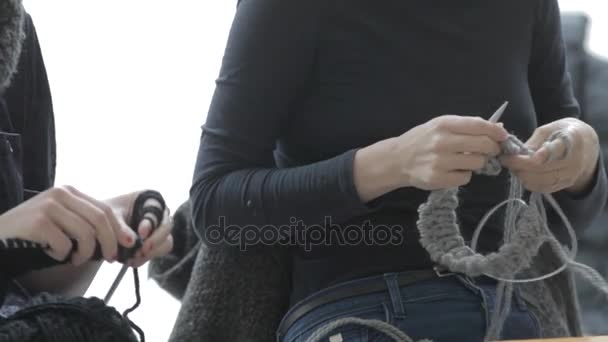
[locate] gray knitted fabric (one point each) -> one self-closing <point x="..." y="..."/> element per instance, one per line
<point x="12" y="17"/>
<point x="525" y="232"/>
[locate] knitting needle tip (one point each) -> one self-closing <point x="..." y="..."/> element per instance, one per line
<point x="499" y="112"/>
<point x="115" y="284"/>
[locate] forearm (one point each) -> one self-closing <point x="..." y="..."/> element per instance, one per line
<point x="244" y="196"/>
<point x="374" y="171"/>
<point x="66" y="280"/>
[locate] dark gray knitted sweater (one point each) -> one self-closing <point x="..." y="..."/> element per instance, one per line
<point x="226" y="295"/>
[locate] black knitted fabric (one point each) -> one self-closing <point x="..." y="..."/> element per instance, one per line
<point x="49" y="318"/>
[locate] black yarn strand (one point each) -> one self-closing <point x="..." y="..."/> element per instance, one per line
<point x="140" y="332"/>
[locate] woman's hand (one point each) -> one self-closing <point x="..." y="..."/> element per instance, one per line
<point x="550" y="168"/>
<point x="156" y="243"/>
<point x="57" y="215"/>
<point x="441" y="153"/>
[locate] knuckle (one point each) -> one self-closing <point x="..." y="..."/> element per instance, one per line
<point x="106" y="209"/>
<point x="479" y="162"/>
<point x="442" y="123"/>
<point x="543" y="130"/>
<point x="59" y="193"/>
<point x="99" y="218"/>
<point x="68" y="188"/>
<point x="436" y="143"/>
<point x="48" y="205"/>
<point x="40" y="219"/>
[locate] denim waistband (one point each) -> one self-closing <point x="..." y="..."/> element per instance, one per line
<point x="391" y="288"/>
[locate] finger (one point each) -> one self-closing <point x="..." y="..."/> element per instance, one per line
<point x="163" y="249"/>
<point x="471" y="144"/>
<point x="75" y="227"/>
<point x="59" y="244"/>
<point x="532" y="163"/>
<point x="462" y="162"/>
<point x="546" y="182"/>
<point x="144" y="229"/>
<point x="553" y="150"/>
<point x="475" y="126"/>
<point x="159" y="236"/>
<point x="151" y="221"/>
<point x="106" y="217"/>
<point x="540" y="135"/>
<point x="96" y="217"/>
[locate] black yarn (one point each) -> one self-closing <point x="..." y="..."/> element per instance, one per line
<point x="125" y="314"/>
<point x="50" y="318"/>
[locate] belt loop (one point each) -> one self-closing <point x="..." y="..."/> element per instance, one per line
<point x="395" y="294"/>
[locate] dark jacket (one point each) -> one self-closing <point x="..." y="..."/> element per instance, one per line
<point x="27" y="137"/>
<point x="27" y="114"/>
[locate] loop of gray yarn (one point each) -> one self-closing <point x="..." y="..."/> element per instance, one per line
<point x="525" y="231"/>
<point x="12" y="34"/>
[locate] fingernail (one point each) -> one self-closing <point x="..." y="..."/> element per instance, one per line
<point x="129" y="240"/>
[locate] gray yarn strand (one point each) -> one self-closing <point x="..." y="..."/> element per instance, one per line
<point x="383" y="327"/>
<point x="525" y="231"/>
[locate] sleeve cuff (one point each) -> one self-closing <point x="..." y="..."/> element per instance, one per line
<point x="586" y="205"/>
<point x="348" y="187"/>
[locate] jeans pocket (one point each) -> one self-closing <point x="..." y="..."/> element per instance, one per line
<point x="11" y="180"/>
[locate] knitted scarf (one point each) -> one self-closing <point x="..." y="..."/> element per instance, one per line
<point x="12" y="17"/>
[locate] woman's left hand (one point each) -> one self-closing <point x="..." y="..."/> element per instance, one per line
<point x="552" y="167"/>
<point x="158" y="242"/>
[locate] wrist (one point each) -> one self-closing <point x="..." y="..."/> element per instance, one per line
<point x="590" y="161"/>
<point x="375" y="170"/>
<point x="585" y="178"/>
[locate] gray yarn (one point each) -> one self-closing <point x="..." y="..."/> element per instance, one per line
<point x="385" y="328"/>
<point x="12" y="35"/>
<point x="525" y="231"/>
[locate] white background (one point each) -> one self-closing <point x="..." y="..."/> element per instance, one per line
<point x="131" y="82"/>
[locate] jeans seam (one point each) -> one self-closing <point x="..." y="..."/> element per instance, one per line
<point x="469" y="283"/>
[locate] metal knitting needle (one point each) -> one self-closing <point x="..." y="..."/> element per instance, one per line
<point x="115" y="284"/>
<point x="499" y="112"/>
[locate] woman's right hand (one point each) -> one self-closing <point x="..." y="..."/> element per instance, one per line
<point x="57" y="215"/>
<point x="441" y="153"/>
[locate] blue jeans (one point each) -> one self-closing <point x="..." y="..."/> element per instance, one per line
<point x="451" y="308"/>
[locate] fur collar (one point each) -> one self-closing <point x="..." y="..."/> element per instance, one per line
<point x="11" y="37"/>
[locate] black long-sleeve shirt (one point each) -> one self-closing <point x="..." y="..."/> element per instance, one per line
<point x="304" y="84"/>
